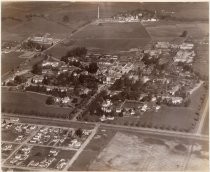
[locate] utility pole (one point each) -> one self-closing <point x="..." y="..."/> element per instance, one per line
<point x="98" y="12"/>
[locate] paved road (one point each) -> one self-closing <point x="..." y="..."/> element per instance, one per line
<point x="74" y="158"/>
<point x="150" y="131"/>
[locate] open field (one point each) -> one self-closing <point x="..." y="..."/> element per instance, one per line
<point x="51" y="19"/>
<point x="10" y="61"/>
<point x="31" y="104"/>
<point x="168" y="30"/>
<point x="132" y="152"/>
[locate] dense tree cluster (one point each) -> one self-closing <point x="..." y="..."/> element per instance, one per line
<point x="75" y="52"/>
<point x="19" y="79"/>
<point x="37" y="69"/>
<point x="32" y="45"/>
<point x="50" y="100"/>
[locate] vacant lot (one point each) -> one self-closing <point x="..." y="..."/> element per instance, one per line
<point x="30" y="104"/>
<point x="10" y="61"/>
<point x="131" y="152"/>
<point x="199" y="158"/>
<point x="136" y="154"/>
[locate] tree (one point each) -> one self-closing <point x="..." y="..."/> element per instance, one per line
<point x="65" y="19"/>
<point x="184" y="33"/>
<point x="19" y="79"/>
<point x="50" y="100"/>
<point x="93" y="67"/>
<point x="79" y="132"/>
<point x="37" y="69"/>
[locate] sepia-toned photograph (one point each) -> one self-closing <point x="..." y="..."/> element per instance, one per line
<point x="104" y="86"/>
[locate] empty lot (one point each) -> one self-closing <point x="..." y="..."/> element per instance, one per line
<point x="132" y="152"/>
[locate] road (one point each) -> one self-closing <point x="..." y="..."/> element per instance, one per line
<point x="203" y="117"/>
<point x="20" y="145"/>
<point x="149" y="131"/>
<point x="76" y="155"/>
<point x="101" y="88"/>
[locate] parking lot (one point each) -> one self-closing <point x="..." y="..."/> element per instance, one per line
<point x="30" y="146"/>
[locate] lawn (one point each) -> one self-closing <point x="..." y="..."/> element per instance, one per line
<point x="30" y="104"/>
<point x="10" y="61"/>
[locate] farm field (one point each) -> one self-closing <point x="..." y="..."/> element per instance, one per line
<point x="139" y="153"/>
<point x="10" y="61"/>
<point x="30" y="103"/>
<point x="108" y="37"/>
<point x="112" y="36"/>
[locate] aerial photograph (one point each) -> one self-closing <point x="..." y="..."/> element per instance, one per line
<point x="104" y="86"/>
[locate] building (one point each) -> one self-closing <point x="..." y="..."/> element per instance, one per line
<point x="184" y="56"/>
<point x="37" y="79"/>
<point x="50" y="64"/>
<point x="186" y="46"/>
<point x="42" y="40"/>
<point x="174" y="90"/>
<point x="163" y="45"/>
<point x="106" y="106"/>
